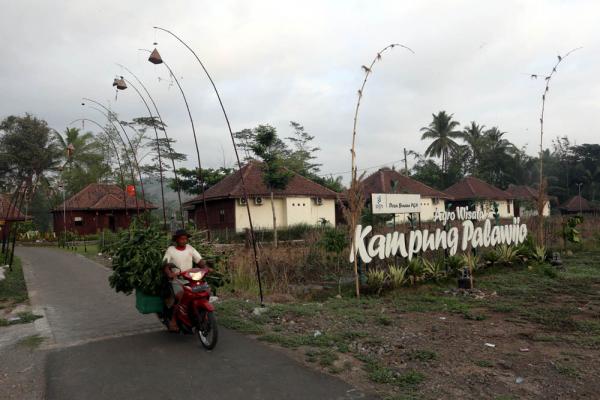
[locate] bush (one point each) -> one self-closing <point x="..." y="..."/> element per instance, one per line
<point x="397" y="276"/>
<point x="433" y="269"/>
<point x="507" y="254"/>
<point x="376" y="279"/>
<point x="454" y="265"/>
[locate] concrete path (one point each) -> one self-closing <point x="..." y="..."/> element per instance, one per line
<point x="98" y="355"/>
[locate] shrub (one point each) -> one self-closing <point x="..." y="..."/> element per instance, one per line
<point x="491" y="257"/>
<point x="471" y="261"/>
<point x="539" y="254"/>
<point x="454" y="265"/>
<point x="433" y="269"/>
<point x="397" y="275"/>
<point x="376" y="278"/>
<point x="507" y="254"/>
<point x="415" y="269"/>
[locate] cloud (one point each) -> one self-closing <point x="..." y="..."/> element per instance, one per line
<point x="276" y="61"/>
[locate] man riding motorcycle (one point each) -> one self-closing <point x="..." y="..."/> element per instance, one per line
<point x="179" y="258"/>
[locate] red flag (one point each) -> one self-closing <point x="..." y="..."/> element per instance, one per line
<point x="131" y="190"/>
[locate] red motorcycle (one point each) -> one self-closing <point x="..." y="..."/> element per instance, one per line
<point x="194" y="314"/>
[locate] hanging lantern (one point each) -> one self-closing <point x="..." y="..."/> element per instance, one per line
<point x="131" y="190"/>
<point x="70" y="150"/>
<point x="120" y="84"/>
<point x="155" y="57"/>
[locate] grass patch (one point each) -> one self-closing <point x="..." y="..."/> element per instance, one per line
<point x="422" y="355"/>
<point x="566" y="369"/>
<point x="483" y="363"/>
<point x="473" y="317"/>
<point x="378" y="373"/>
<point x="13" y="289"/>
<point x="24" y="318"/>
<point x="324" y="357"/>
<point x="32" y="342"/>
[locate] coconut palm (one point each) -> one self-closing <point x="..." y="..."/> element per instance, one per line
<point x="472" y="135"/>
<point x="83" y="157"/>
<point x="443" y="132"/>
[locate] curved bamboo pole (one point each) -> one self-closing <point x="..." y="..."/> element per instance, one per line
<point x="116" y="154"/>
<point x="137" y="165"/>
<point x="162" y="189"/>
<point x="245" y="193"/>
<point x="164" y="126"/>
<point x="131" y="164"/>
<point x="354" y="189"/>
<point x="199" y="177"/>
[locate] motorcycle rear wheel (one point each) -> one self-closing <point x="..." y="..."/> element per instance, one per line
<point x="207" y="330"/>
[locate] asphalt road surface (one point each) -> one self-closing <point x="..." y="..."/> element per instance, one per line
<point x="102" y="348"/>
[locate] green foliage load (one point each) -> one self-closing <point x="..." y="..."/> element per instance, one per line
<point x="570" y="231"/>
<point x="137" y="257"/>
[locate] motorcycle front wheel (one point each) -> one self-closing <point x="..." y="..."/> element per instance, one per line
<point x="207" y="330"/>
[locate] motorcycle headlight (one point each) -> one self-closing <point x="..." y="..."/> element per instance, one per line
<point x="197" y="276"/>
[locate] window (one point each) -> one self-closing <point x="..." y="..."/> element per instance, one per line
<point x="78" y="221"/>
<point x="222" y="216"/>
<point x="508" y="207"/>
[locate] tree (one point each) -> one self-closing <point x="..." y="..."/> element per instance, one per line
<point x="301" y="156"/>
<point x="443" y="132"/>
<point x="271" y="151"/>
<point x="472" y="135"/>
<point x="28" y="149"/>
<point x="83" y="159"/>
<point x="189" y="183"/>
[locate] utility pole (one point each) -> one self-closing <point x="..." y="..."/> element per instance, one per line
<point x="579" y="187"/>
<point x="405" y="163"/>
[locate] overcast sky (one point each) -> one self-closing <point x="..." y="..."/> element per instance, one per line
<point x="280" y="61"/>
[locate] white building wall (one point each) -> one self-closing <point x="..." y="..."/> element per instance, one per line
<point x="262" y="216"/>
<point x="289" y="211"/>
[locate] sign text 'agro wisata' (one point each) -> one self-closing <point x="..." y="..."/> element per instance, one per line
<point x="408" y="244"/>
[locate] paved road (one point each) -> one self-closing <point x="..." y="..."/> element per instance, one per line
<point x="92" y="359"/>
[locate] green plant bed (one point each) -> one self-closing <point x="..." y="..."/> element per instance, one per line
<point x="147" y="304"/>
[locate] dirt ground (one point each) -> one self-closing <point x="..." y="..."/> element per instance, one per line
<point x="523" y="333"/>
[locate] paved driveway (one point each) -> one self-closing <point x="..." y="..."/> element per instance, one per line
<point x="101" y="348"/>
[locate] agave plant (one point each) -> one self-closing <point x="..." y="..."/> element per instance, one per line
<point x="376" y="278"/>
<point x="507" y="254"/>
<point x="539" y="254"/>
<point x="454" y="264"/>
<point x="471" y="261"/>
<point x="491" y="257"/>
<point x="434" y="269"/>
<point x="397" y="276"/>
<point x="415" y="270"/>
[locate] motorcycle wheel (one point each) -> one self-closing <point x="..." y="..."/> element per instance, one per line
<point x="207" y="330"/>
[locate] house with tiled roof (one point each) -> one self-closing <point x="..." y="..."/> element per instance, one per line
<point x="302" y="202"/>
<point x="96" y="207"/>
<point x="576" y="205"/>
<point x="525" y="201"/>
<point x="388" y="181"/>
<point x="481" y="196"/>
<point x="9" y="214"/>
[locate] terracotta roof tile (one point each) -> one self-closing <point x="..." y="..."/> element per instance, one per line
<point x="473" y="188"/>
<point x="5" y="206"/>
<point x="231" y="186"/>
<point x="381" y="182"/>
<point x="573" y="205"/>
<point x="98" y="196"/>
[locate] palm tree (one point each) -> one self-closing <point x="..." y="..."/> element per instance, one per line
<point x="443" y="132"/>
<point x="80" y="150"/>
<point x="472" y="135"/>
<point x="83" y="155"/>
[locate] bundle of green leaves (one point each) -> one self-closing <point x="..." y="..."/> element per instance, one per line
<point x="137" y="259"/>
